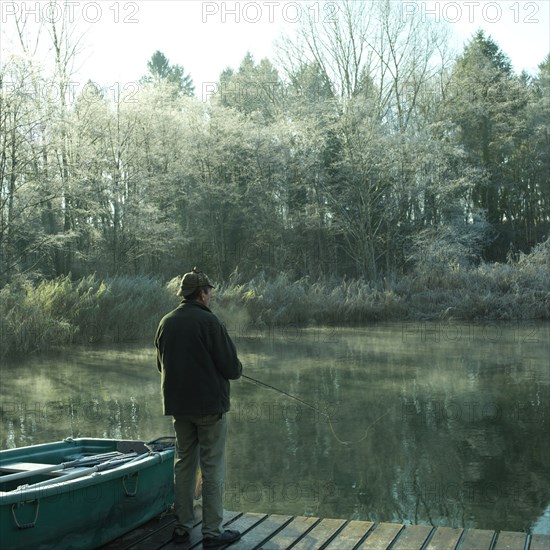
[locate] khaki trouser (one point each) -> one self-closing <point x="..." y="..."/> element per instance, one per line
<point x="200" y="437"/>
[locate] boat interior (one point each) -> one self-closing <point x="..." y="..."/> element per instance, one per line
<point x="43" y="465"/>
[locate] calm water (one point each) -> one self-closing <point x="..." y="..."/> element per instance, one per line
<point x="443" y="424"/>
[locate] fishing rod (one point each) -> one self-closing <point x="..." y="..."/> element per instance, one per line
<point x="316" y="409"/>
<point x="260" y="383"/>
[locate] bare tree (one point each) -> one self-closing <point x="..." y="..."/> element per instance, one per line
<point x="380" y="61"/>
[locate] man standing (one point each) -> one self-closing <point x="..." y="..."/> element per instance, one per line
<point x="196" y="359"/>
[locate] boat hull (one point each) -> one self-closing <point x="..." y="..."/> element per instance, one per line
<point x="89" y="510"/>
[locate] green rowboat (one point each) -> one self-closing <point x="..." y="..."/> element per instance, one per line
<point x="82" y="493"/>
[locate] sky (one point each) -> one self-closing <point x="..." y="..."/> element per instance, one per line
<point x="205" y="37"/>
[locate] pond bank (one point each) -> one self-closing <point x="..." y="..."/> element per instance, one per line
<point x="37" y="317"/>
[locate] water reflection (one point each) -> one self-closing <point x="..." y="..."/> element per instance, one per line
<point x="445" y="424"/>
<point x="96" y="392"/>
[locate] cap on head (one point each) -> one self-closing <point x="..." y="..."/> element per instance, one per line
<point x="192" y="281"/>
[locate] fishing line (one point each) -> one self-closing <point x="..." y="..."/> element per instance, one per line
<point x="326" y="415"/>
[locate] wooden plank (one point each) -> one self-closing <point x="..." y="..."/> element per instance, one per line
<point x="195" y="538"/>
<point x="444" y="538"/>
<point x="540" y="542"/>
<point x="477" y="539"/>
<point x="506" y="540"/>
<point x="163" y="537"/>
<point x="244" y="523"/>
<point x="350" y="535"/>
<point x="412" y="537"/>
<point x="141" y="532"/>
<point x="382" y="536"/>
<point x="261" y="532"/>
<point x="278" y="532"/>
<point x="291" y="533"/>
<point x="320" y="534"/>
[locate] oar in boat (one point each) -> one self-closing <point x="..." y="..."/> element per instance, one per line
<point x="84" y="461"/>
<point x="108" y="465"/>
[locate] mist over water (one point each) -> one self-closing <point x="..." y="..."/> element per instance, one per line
<point x="443" y="424"/>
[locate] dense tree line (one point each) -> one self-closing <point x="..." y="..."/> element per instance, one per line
<point x="366" y="150"/>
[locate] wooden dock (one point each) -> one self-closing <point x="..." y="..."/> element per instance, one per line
<point x="278" y="532"/>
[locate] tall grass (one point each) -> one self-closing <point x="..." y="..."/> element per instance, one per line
<point x="517" y="291"/>
<point x="59" y="312"/>
<point x="127" y="309"/>
<point x="281" y="301"/>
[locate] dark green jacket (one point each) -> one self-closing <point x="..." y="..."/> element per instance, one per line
<point x="196" y="359"/>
